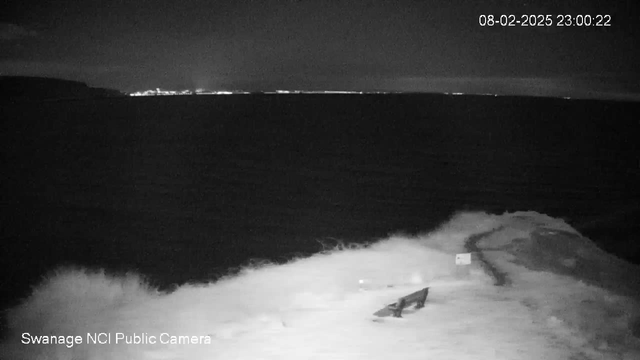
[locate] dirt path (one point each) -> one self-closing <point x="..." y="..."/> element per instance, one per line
<point x="471" y="245"/>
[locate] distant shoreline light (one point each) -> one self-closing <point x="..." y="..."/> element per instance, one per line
<point x="161" y="92"/>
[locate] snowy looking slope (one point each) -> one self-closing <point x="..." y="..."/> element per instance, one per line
<point x="560" y="298"/>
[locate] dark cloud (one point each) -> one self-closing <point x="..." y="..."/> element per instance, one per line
<point x="10" y="32"/>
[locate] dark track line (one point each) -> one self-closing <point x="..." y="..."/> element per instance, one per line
<point x="471" y="245"/>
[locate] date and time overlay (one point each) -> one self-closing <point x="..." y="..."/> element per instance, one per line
<point x="545" y="20"/>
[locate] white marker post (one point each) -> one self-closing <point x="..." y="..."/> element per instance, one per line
<point x="463" y="265"/>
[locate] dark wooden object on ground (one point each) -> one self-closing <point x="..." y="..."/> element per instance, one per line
<point x="419" y="297"/>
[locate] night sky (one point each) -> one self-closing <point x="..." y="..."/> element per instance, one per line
<point x="315" y="44"/>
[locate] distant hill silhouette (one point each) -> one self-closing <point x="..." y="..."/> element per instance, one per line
<point x="25" y="88"/>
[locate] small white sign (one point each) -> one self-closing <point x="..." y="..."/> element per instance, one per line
<point x="463" y="259"/>
<point x="364" y="284"/>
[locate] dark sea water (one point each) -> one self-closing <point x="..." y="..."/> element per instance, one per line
<point x="182" y="188"/>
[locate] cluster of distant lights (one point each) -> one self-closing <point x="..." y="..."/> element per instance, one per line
<point x="160" y="92"/>
<point x="487" y="94"/>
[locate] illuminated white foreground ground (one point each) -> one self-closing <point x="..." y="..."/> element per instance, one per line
<point x="563" y="299"/>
